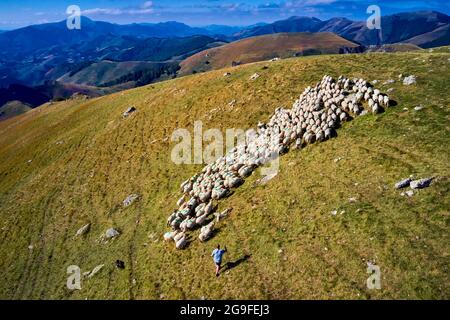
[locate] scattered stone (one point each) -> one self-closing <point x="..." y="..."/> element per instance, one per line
<point x="95" y="271"/>
<point x="130" y="199"/>
<point x="390" y="90"/>
<point x="421" y="183"/>
<point x="418" y="108"/>
<point x="375" y="81"/>
<point x="274" y="59"/>
<point x="226" y="74"/>
<point x="111" y="233"/>
<point x="402" y="184"/>
<point x="336" y="160"/>
<point x="254" y="76"/>
<point x="334" y="212"/>
<point x="388" y="81"/>
<point x="353" y="199"/>
<point x="409" y="193"/>
<point x="30" y="247"/>
<point x="409" y="80"/>
<point x="129" y="111"/>
<point x="83" y="230"/>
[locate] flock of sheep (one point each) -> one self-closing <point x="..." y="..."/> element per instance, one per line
<point x="314" y="117"/>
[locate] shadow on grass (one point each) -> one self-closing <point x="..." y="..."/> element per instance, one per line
<point x="233" y="264"/>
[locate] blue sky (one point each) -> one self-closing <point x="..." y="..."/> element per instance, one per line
<point x="18" y="13"/>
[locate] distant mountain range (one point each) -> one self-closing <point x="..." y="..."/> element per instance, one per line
<point x="49" y="61"/>
<point x="423" y="28"/>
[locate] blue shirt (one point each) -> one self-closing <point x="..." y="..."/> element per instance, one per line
<point x="217" y="254"/>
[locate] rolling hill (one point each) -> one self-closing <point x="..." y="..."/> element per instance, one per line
<point x="12" y="109"/>
<point x="70" y="163"/>
<point x="108" y="73"/>
<point x="281" y="45"/>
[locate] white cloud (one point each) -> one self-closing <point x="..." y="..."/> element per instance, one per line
<point x="147" y="4"/>
<point x="145" y="8"/>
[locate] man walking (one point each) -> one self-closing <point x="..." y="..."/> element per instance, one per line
<point x="217" y="257"/>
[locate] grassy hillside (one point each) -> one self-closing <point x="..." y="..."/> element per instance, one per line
<point x="12" y="109"/>
<point x="105" y="72"/>
<point x="70" y="163"/>
<point x="262" y="48"/>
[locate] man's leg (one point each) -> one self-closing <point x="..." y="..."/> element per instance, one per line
<point x="217" y="269"/>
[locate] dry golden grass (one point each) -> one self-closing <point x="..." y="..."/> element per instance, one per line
<point x="260" y="48"/>
<point x="104" y="158"/>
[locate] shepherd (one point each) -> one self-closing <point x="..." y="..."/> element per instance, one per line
<point x="217" y="257"/>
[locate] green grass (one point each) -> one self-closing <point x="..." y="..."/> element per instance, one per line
<point x="104" y="158"/>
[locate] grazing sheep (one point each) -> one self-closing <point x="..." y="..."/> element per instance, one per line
<point x="180" y="201"/>
<point x="376" y="108"/>
<point x="170" y="235"/>
<point x="179" y="236"/>
<point x="313" y="117"/>
<point x="206" y="232"/>
<point x="222" y="215"/>
<point x="181" y="243"/>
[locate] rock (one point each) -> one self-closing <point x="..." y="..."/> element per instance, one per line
<point x="226" y="74"/>
<point x="83" y="230"/>
<point x="409" y="193"/>
<point x="130" y="199"/>
<point x="30" y="247"/>
<point x="402" y="184"/>
<point x="389" y="81"/>
<point x="421" y="183"/>
<point x="418" y="108"/>
<point x="409" y="80"/>
<point x="95" y="271"/>
<point x="334" y="212"/>
<point x="111" y="233"/>
<point x="254" y="76"/>
<point x="129" y="111"/>
<point x="390" y="90"/>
